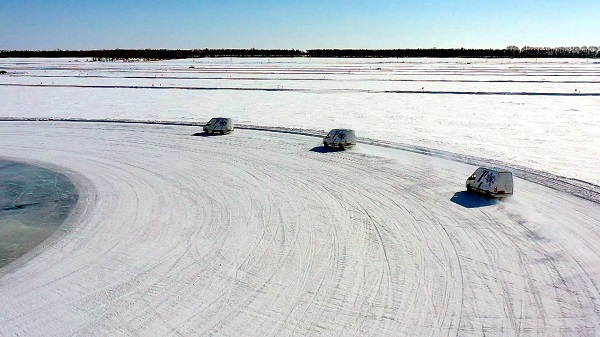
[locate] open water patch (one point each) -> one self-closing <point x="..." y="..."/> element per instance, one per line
<point x="34" y="203"/>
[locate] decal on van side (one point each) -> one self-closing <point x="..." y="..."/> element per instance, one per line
<point x="485" y="172"/>
<point x="490" y="179"/>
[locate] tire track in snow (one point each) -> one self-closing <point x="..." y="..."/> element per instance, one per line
<point x="361" y="79"/>
<point x="576" y="187"/>
<point x="307" y="90"/>
<point x="254" y="234"/>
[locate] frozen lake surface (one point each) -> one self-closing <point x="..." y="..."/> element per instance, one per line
<point x="264" y="233"/>
<point x="34" y="202"/>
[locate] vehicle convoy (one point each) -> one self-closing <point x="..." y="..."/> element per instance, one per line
<point x="219" y="125"/>
<point x="340" y="138"/>
<point x="491" y="181"/>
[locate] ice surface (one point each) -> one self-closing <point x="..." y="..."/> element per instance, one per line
<point x="254" y="234"/>
<point x="34" y="202"/>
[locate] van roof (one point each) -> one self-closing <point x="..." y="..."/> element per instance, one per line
<point x="495" y="169"/>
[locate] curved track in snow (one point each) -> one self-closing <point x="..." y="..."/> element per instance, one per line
<point x="265" y="234"/>
<point x="420" y="92"/>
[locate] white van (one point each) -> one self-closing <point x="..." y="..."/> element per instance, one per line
<point x="341" y="138"/>
<point x="219" y="124"/>
<point x="492" y="181"/>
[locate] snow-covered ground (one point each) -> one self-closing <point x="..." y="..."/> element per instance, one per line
<point x="263" y="233"/>
<point x="541" y="114"/>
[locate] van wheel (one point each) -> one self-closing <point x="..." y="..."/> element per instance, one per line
<point x="488" y="194"/>
<point x="341" y="146"/>
<point x="221" y="132"/>
<point x="325" y="145"/>
<point x="469" y="188"/>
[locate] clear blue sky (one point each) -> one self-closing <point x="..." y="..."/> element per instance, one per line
<point x="187" y="24"/>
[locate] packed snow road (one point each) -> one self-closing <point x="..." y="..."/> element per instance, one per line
<point x="266" y="234"/>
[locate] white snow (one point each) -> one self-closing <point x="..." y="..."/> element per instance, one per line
<point x="254" y="234"/>
<point x="558" y="132"/>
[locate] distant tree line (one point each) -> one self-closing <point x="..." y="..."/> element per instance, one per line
<point x="509" y="52"/>
<point x="151" y="54"/>
<point x="433" y="52"/>
<point x="165" y="54"/>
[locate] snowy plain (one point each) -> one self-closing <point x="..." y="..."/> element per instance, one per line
<point x="541" y="114"/>
<point x="264" y="233"/>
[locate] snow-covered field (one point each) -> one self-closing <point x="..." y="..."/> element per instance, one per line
<point x="262" y="233"/>
<point x="541" y="114"/>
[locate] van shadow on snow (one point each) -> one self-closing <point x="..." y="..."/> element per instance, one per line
<point x="205" y="134"/>
<point x="472" y="200"/>
<point x="323" y="149"/>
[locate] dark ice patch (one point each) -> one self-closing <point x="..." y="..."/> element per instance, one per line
<point x="34" y="202"/>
